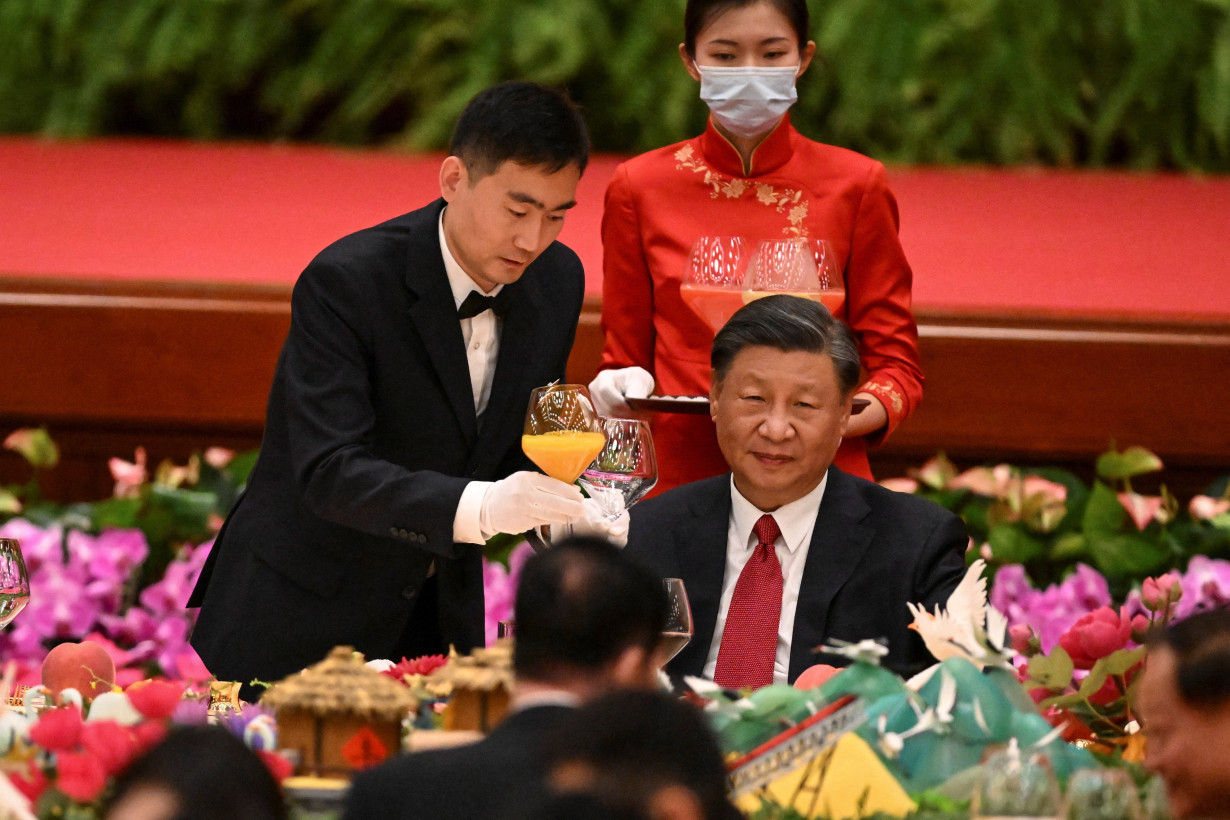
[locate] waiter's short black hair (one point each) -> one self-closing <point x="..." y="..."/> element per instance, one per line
<point x="579" y="606"/>
<point x="787" y="323"/>
<point x="521" y="122"/>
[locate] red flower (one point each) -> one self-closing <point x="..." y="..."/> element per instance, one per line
<point x="1024" y="641"/>
<point x="112" y="744"/>
<point x="278" y="766"/>
<point x="156" y="699"/>
<point x="147" y="734"/>
<point x="32" y="784"/>
<point x="424" y="665"/>
<point x="57" y="730"/>
<point x="1158" y="593"/>
<point x="80" y="776"/>
<point x="1096" y="635"/>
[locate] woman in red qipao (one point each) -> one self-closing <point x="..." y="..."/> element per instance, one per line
<point x="749" y="174"/>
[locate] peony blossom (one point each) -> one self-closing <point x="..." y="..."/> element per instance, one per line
<point x="156" y="699"/>
<point x="1096" y="635"/>
<point x="1024" y="641"/>
<point x="80" y="775"/>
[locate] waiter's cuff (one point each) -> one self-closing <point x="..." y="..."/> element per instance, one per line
<point x="467" y="523"/>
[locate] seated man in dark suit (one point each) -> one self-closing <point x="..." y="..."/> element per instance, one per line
<point x="588" y="621"/>
<point x="788" y="552"/>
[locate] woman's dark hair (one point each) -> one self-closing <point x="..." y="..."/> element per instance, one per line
<point x="787" y="323"/>
<point x="211" y="773"/>
<point x="700" y="13"/>
<point x="521" y="122"/>
<point x="1201" y="647"/>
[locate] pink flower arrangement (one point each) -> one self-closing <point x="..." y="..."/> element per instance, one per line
<point x="81" y="585"/>
<point x="500" y="588"/>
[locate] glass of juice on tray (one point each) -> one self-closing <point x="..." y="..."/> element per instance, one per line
<point x="562" y="432"/>
<point x="713" y="281"/>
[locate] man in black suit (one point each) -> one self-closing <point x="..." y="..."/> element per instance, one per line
<point x="588" y="622"/>
<point x="788" y="552"/>
<point x="392" y="445"/>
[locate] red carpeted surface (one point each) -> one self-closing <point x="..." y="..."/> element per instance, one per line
<point x="1086" y="242"/>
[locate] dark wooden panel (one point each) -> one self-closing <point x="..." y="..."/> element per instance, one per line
<point x="175" y="368"/>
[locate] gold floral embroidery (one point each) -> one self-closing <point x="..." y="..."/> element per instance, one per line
<point x="886" y="392"/>
<point x="788" y="201"/>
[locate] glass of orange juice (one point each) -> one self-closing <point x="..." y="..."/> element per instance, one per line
<point x="562" y="431"/>
<point x="713" y="280"/>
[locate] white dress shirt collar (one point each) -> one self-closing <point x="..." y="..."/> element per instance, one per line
<point x="795" y="519"/>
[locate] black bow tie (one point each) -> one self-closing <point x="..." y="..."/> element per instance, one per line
<point x="475" y="303"/>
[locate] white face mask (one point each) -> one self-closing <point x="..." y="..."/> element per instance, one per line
<point x="748" y="100"/>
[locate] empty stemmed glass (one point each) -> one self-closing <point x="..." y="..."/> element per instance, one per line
<point x="678" y="629"/>
<point x="828" y="275"/>
<point x="562" y="432"/>
<point x="625" y="469"/>
<point x="713" y="280"/>
<point x="14" y="581"/>
<point x="782" y="266"/>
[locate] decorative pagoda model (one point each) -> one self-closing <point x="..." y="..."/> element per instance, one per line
<point x="481" y="685"/>
<point x="339" y="715"/>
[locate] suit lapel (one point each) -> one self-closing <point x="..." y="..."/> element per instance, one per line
<point x="700" y="546"/>
<point x="433" y="315"/>
<point x="838" y="542"/>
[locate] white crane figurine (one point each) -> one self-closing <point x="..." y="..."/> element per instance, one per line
<point x="968" y="626"/>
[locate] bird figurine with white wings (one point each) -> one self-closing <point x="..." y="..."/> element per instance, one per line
<point x="968" y="627"/>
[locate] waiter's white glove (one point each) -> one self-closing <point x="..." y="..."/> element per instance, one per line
<point x="594" y="523"/>
<point x="611" y="389"/>
<point x="525" y="500"/>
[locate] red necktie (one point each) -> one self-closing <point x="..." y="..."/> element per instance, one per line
<point x="749" y="640"/>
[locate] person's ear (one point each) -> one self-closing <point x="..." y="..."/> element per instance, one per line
<point x="452" y="176"/>
<point x="805" y="56"/>
<point x="714" y="385"/>
<point x="675" y="802"/>
<point x="633" y="669"/>
<point x="688" y="62"/>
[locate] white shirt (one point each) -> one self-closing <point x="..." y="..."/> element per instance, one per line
<point x="796" y="521"/>
<point x="482" y="340"/>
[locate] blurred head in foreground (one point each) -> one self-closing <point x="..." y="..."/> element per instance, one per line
<point x="643" y="755"/>
<point x="1184" y="705"/>
<point x="197" y="773"/>
<point x="588" y="619"/>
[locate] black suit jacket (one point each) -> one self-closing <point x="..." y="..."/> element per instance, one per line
<point x="872" y="551"/>
<point x="370" y="439"/>
<point x="499" y="776"/>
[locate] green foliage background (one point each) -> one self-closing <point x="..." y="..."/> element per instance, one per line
<point x="1136" y="83"/>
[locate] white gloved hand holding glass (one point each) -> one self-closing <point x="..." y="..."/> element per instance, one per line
<point x="611" y="389"/>
<point x="596" y="521"/>
<point x="526" y="500"/>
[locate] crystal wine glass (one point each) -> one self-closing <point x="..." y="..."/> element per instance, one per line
<point x="782" y="266"/>
<point x="562" y="432"/>
<point x="625" y="469"/>
<point x="678" y="629"/>
<point x="713" y="280"/>
<point x="1013" y="784"/>
<point x="1102" y="794"/>
<point x="14" y="581"/>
